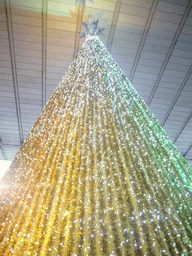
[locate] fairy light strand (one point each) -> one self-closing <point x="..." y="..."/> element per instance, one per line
<point x="97" y="174"/>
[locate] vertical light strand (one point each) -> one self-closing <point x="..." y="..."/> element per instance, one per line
<point x="97" y="175"/>
<point x="135" y="139"/>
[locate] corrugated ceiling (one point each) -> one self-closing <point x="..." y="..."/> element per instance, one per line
<point x="151" y="40"/>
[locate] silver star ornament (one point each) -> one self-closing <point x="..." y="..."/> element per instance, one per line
<point x="91" y="29"/>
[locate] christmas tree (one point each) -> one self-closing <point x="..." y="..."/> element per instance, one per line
<point x="97" y="175"/>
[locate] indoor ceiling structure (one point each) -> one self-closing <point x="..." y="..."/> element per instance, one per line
<point x="151" y="40"/>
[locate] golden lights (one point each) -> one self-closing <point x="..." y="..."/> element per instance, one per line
<point x="97" y="175"/>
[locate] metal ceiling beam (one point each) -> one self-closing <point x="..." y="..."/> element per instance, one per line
<point x="113" y="24"/>
<point x="13" y="66"/>
<point x="78" y="28"/>
<point x="177" y="96"/>
<point x="12" y="145"/>
<point x="183" y="126"/>
<point x="143" y="38"/>
<point x="3" y="150"/>
<point x="190" y="147"/>
<point x="177" y="34"/>
<point x="44" y="50"/>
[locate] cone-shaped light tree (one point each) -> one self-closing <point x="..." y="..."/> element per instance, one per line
<point x="97" y="175"/>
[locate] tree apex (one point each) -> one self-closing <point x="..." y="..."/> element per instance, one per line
<point x="91" y="29"/>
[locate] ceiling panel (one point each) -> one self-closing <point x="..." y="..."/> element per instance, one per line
<point x="60" y="49"/>
<point x="171" y="7"/>
<point x="131" y="19"/>
<point x="140" y="3"/>
<point x="140" y="74"/>
<point x="28" y="60"/>
<point x="27" y="53"/>
<point x="183" y="54"/>
<point x="22" y="44"/>
<point x="28" y="66"/>
<point x="29" y="72"/>
<point x="163" y="16"/>
<point x="187" y="30"/>
<point x="177" y="67"/>
<point x="189" y="156"/>
<point x="27" y="20"/>
<point x="10" y="137"/>
<point x="150" y="63"/>
<point x="129" y="28"/>
<point x="185" y="38"/>
<point x="163" y="25"/>
<point x="26" y="29"/>
<point x="8" y="126"/>
<point x="135" y="10"/>
<point x="140" y="40"/>
<point x="4" y="49"/>
<point x="179" y="2"/>
<point x="129" y="37"/>
<point x="158" y="41"/>
<point x="148" y="70"/>
<point x="57" y="6"/>
<point x="54" y="58"/>
<point x="184" y="140"/>
<point x="11" y="150"/>
<point x="53" y="75"/>
<point x="124" y="59"/>
<point x="161" y="34"/>
<point x="6" y="64"/>
<point x="60" y="33"/>
<point x="152" y="56"/>
<point x="60" y="25"/>
<point x="123" y="46"/>
<point x="30" y="79"/>
<point x="1" y="155"/>
<point x="62" y="42"/>
<point x="180" y="60"/>
<point x="3" y="25"/>
<point x="26" y="11"/>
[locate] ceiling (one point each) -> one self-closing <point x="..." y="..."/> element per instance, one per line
<point x="151" y="40"/>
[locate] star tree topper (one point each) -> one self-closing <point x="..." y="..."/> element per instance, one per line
<point x="91" y="29"/>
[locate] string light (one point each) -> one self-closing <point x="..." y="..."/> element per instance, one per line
<point x="97" y="175"/>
